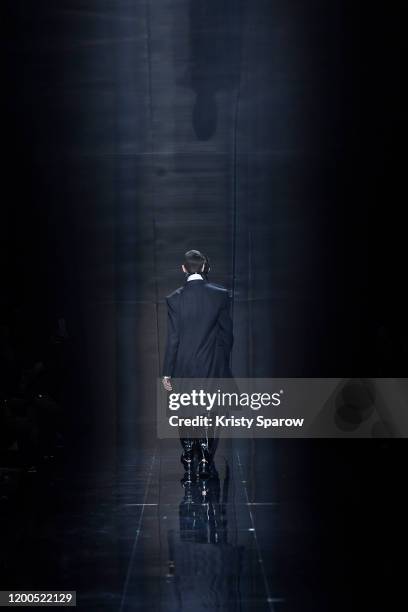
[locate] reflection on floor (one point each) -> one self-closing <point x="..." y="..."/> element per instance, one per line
<point x="201" y="538"/>
<point x="267" y="532"/>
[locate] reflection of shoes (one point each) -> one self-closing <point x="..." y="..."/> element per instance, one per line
<point x="204" y="469"/>
<point x="187" y="479"/>
<point x="204" y="489"/>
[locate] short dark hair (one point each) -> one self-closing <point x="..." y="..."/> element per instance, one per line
<point x="194" y="260"/>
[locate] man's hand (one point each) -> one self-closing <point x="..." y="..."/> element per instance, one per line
<point x="167" y="383"/>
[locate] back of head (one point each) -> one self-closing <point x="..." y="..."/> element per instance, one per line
<point x="196" y="262"/>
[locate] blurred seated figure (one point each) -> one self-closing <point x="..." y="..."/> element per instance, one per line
<point x="32" y="374"/>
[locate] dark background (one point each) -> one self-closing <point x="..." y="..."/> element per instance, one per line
<point x="267" y="134"/>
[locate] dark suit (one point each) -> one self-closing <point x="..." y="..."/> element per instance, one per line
<point x="199" y="331"/>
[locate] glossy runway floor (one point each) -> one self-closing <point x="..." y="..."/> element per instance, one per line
<point x="203" y="545"/>
<point x="280" y="526"/>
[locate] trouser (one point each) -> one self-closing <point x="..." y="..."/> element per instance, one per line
<point x="205" y="446"/>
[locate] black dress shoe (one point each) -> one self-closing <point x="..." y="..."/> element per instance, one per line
<point x="203" y="469"/>
<point x="187" y="460"/>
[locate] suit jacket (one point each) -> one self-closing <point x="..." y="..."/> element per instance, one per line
<point x="199" y="332"/>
